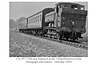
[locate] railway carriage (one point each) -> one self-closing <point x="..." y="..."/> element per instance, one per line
<point x="34" y="24"/>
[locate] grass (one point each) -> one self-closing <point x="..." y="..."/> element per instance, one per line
<point x="29" y="46"/>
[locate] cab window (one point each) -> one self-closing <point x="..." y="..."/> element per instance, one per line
<point x="74" y="7"/>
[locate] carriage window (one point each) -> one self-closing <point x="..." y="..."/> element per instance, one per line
<point x="40" y="17"/>
<point x="36" y="18"/>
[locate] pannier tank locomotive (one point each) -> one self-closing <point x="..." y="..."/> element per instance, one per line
<point x="64" y="21"/>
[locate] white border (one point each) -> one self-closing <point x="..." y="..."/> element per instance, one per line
<point x="93" y="29"/>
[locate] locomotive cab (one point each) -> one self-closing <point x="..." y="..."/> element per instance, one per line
<point x="70" y="6"/>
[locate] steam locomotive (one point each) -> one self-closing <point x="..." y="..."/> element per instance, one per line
<point x="64" y="21"/>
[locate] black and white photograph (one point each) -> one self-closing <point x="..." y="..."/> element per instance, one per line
<point x="48" y="29"/>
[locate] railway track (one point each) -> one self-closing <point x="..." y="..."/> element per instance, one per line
<point x="77" y="44"/>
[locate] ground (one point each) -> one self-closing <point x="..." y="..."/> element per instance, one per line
<point x="21" y="45"/>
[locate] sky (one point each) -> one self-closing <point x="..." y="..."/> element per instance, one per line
<point x="26" y="9"/>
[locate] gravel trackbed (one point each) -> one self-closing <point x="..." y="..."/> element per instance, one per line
<point x="21" y="45"/>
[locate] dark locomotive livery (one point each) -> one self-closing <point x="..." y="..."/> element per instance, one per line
<point x="64" y="21"/>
